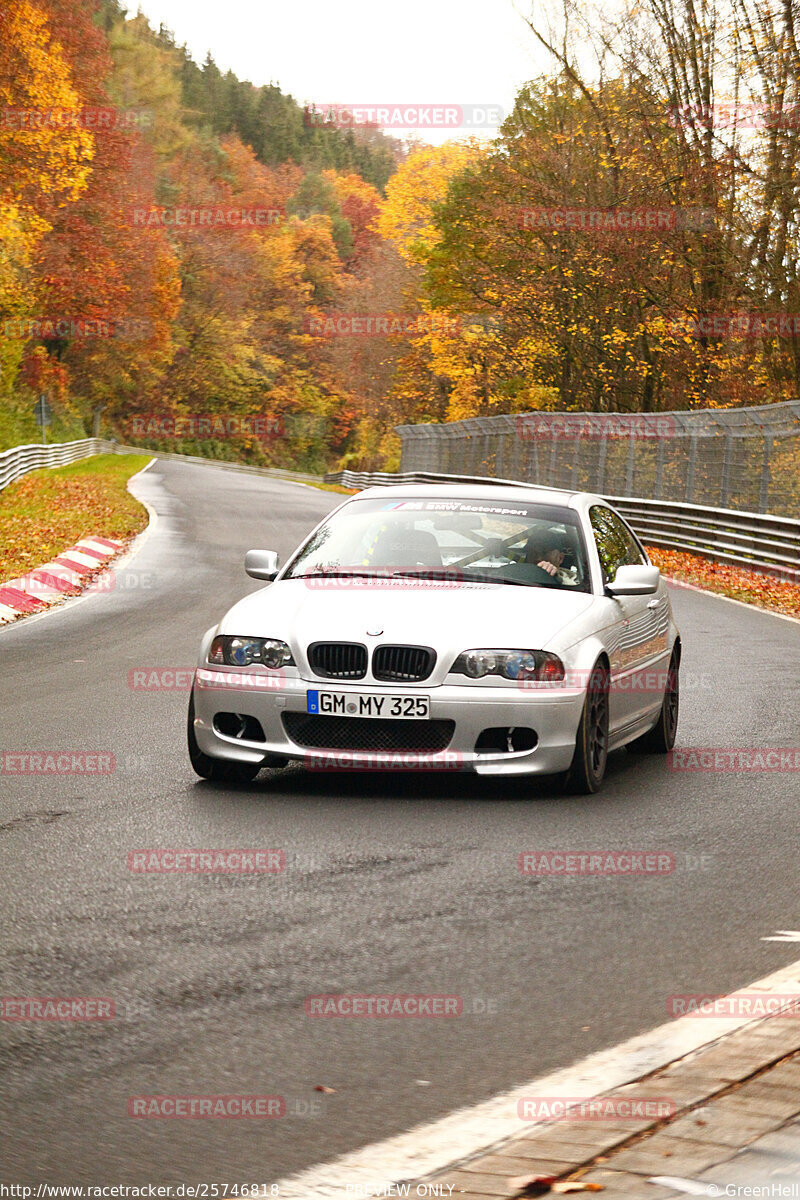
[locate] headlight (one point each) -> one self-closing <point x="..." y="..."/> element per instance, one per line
<point x="510" y="664"/>
<point x="247" y="651"/>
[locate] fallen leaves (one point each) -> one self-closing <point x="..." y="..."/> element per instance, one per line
<point x="541" y="1185"/>
<point x="576" y="1185"/>
<point x="532" y="1185"/>
<point x="739" y="583"/>
<point x="47" y="511"/>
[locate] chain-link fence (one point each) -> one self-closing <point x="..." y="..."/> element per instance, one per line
<point x="739" y="458"/>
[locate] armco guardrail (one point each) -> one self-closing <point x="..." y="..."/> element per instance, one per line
<point x="748" y="539"/>
<point x="740" y="538"/>
<point x="275" y="472"/>
<point x="20" y="460"/>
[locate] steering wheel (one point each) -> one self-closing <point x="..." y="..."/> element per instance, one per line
<point x="537" y="574"/>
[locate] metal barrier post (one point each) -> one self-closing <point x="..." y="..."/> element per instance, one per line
<point x="691" y="472"/>
<point x="662" y="446"/>
<point x="727" y="457"/>
<point x="630" y="464"/>
<point x="763" y="492"/>
<point x="601" y="465"/>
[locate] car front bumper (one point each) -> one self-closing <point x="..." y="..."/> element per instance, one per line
<point x="553" y="713"/>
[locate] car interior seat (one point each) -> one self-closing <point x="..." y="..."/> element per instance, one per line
<point x="406" y="548"/>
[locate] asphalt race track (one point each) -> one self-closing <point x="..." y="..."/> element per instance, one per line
<point x="395" y="883"/>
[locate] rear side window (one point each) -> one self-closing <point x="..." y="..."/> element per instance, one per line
<point x="616" y="545"/>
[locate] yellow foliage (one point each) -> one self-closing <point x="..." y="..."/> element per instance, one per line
<point x="345" y="185"/>
<point x="52" y="159"/>
<point x="37" y="164"/>
<point x="418" y="184"/>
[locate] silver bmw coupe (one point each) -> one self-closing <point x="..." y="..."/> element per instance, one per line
<point x="495" y="628"/>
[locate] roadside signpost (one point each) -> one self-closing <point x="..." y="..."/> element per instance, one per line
<point x="42" y="415"/>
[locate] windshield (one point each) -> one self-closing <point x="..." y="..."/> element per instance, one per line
<point x="532" y="545"/>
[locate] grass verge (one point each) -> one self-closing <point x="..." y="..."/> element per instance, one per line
<point x="738" y="583"/>
<point x="331" y="487"/>
<point x="48" y="511"/>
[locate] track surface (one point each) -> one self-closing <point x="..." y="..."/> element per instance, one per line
<point x="395" y="884"/>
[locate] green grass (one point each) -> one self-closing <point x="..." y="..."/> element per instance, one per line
<point x="18" y="427"/>
<point x="48" y="511"/>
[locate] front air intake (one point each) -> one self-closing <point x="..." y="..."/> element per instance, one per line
<point x="338" y="660"/>
<point x="403" y="664"/>
<point x="367" y="734"/>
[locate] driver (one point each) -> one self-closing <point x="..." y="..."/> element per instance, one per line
<point x="548" y="551"/>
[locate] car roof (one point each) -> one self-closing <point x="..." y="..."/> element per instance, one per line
<point x="507" y="492"/>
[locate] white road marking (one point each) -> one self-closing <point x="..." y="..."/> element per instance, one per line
<point x="692" y="1187"/>
<point x="784" y="935"/>
<point x="461" y="1135"/>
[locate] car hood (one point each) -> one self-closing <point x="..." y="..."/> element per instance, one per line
<point x="448" y="617"/>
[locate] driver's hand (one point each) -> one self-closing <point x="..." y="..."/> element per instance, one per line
<point x="547" y="566"/>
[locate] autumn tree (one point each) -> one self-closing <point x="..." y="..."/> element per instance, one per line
<point x="44" y="161"/>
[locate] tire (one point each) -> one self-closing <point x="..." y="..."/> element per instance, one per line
<point x="216" y="769"/>
<point x="661" y="738"/>
<point x="585" y="775"/>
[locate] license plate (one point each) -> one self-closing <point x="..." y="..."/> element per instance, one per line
<point x="348" y="704"/>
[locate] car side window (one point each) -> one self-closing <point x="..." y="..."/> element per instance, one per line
<point x="616" y="546"/>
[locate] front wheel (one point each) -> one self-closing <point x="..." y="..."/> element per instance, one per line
<point x="216" y="769"/>
<point x="588" y="768"/>
<point x="661" y="738"/>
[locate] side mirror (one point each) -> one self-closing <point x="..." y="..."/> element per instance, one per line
<point x="634" y="581"/>
<point x="261" y="564"/>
